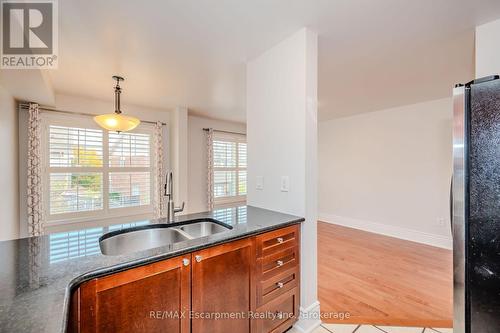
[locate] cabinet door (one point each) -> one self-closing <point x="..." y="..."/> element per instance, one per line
<point x="223" y="285"/>
<point x="152" y="298"/>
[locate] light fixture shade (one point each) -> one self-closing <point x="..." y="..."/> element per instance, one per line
<point x="117" y="122"/>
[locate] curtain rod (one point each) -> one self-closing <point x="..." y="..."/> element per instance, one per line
<point x="215" y="130"/>
<point x="44" y="108"/>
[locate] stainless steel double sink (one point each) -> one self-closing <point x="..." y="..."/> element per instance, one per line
<point x="156" y="235"/>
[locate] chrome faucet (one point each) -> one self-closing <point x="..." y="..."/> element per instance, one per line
<point x="169" y="192"/>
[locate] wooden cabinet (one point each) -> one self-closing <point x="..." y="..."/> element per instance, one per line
<point x="278" y="279"/>
<point x="223" y="285"/>
<point x="212" y="290"/>
<point x="151" y="298"/>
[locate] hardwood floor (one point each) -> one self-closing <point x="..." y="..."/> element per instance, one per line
<point x="382" y="280"/>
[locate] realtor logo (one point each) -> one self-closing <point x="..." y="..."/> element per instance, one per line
<point x="29" y="34"/>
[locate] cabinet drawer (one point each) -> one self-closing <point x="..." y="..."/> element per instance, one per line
<point x="278" y="240"/>
<point x="277" y="285"/>
<point x="277" y="263"/>
<point x="280" y="314"/>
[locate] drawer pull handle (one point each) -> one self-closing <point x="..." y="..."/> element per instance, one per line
<point x="279" y="315"/>
<point x="198" y="258"/>
<point x="279" y="263"/>
<point x="185" y="262"/>
<point x="280" y="240"/>
<point x="280" y="285"/>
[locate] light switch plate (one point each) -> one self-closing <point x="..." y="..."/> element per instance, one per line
<point x="259" y="183"/>
<point x="285" y="183"/>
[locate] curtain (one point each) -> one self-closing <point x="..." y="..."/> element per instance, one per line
<point x="34" y="260"/>
<point x="159" y="204"/>
<point x="34" y="176"/>
<point x="210" y="168"/>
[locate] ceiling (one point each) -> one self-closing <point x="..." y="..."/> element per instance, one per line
<point x="372" y="54"/>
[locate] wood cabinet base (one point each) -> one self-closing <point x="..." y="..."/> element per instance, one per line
<point x="219" y="289"/>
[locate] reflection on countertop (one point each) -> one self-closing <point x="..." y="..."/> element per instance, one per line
<point x="80" y="243"/>
<point x="38" y="273"/>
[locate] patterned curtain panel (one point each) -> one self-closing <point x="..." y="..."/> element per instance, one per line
<point x="210" y="168"/>
<point x="34" y="181"/>
<point x="159" y="204"/>
<point x="34" y="262"/>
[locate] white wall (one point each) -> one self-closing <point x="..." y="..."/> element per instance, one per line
<point x="488" y="49"/>
<point x="28" y="85"/>
<point x="389" y="171"/>
<point x="197" y="158"/>
<point x="179" y="155"/>
<point x="281" y="136"/>
<point x="9" y="204"/>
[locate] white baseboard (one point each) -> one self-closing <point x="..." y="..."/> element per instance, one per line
<point x="310" y="318"/>
<point x="389" y="230"/>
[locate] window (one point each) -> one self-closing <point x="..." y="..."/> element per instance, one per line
<point x="93" y="173"/>
<point x="230" y="168"/>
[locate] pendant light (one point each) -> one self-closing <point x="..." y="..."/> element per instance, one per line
<point x="116" y="121"/>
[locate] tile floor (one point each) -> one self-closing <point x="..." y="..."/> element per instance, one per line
<point x="337" y="328"/>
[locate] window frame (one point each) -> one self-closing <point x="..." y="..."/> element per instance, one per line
<point x="85" y="122"/>
<point x="228" y="201"/>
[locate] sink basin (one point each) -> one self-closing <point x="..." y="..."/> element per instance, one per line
<point x="139" y="239"/>
<point x="201" y="229"/>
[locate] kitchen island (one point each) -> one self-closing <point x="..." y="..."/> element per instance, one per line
<point x="38" y="281"/>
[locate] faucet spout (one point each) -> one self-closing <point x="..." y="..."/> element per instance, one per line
<point x="169" y="188"/>
<point x="169" y="192"/>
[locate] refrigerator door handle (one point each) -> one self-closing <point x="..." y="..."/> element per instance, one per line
<point x="451" y="206"/>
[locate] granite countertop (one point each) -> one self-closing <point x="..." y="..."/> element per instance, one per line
<point x="37" y="274"/>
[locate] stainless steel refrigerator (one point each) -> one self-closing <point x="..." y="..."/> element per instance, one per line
<point x="475" y="206"/>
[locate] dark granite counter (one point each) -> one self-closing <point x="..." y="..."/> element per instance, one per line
<point x="37" y="274"/>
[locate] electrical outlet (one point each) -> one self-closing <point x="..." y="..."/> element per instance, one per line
<point x="441" y="221"/>
<point x="285" y="183"/>
<point x="259" y="183"/>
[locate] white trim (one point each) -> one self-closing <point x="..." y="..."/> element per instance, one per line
<point x="389" y="230"/>
<point x="233" y="137"/>
<point x="68" y="226"/>
<point x="100" y="220"/>
<point x="221" y="201"/>
<point x="101" y="214"/>
<point x="310" y="318"/>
